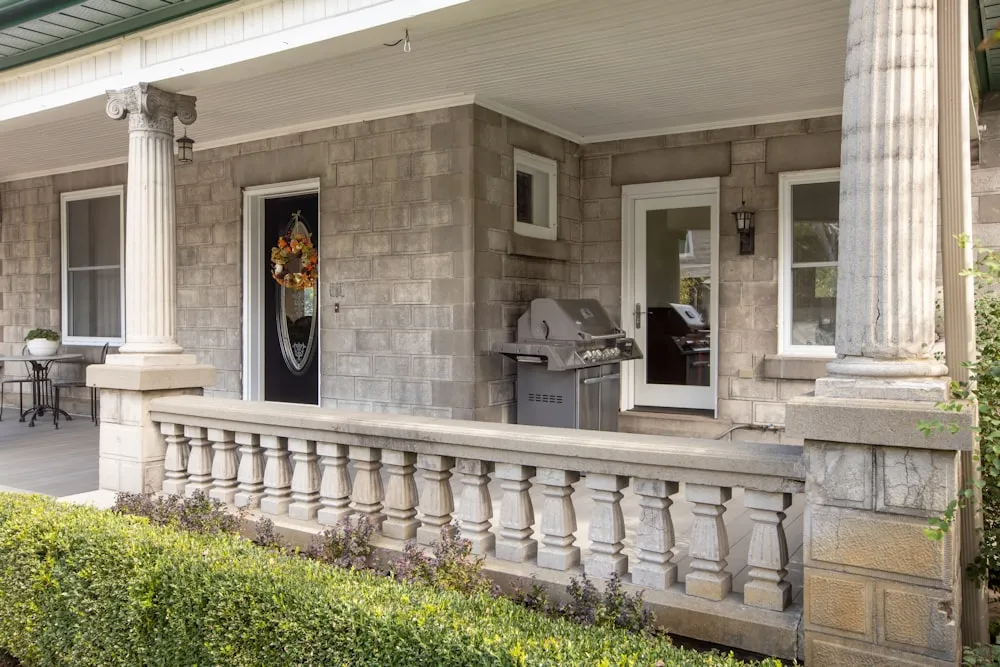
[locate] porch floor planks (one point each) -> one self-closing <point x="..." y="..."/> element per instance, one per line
<point x="55" y="462"/>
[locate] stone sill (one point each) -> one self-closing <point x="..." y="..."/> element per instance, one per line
<point x="532" y="247"/>
<point x="795" y="367"/>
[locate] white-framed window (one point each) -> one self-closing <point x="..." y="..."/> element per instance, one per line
<point x="809" y="219"/>
<point x="535" y="198"/>
<point x="93" y="256"/>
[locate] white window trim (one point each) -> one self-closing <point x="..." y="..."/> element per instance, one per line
<point x="786" y="181"/>
<point x="64" y="199"/>
<point x="551" y="169"/>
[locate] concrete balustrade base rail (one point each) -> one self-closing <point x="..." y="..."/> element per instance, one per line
<point x="541" y="505"/>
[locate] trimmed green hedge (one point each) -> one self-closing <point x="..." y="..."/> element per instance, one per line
<point x="83" y="587"/>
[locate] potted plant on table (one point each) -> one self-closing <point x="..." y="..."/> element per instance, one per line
<point x="42" y="342"/>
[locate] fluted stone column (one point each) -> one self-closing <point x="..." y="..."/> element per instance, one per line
<point x="149" y="364"/>
<point x="877" y="590"/>
<point x="888" y="206"/>
<point x="150" y="233"/>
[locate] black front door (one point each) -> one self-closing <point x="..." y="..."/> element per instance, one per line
<point x="291" y="329"/>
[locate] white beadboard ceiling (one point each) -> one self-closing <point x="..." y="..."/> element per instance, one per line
<point x="592" y="69"/>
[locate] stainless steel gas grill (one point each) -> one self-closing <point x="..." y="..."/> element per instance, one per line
<point x="569" y="356"/>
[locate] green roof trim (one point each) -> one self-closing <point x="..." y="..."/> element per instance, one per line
<point x="32" y="30"/>
<point x="15" y="12"/>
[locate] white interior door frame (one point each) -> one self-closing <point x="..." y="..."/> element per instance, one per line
<point x="253" y="280"/>
<point x="632" y="197"/>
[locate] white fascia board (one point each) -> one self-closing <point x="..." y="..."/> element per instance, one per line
<point x="131" y="49"/>
<point x="301" y="35"/>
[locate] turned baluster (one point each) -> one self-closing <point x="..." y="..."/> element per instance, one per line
<point x="558" y="523"/>
<point x="400" y="495"/>
<point x="224" y="465"/>
<point x="305" y="479"/>
<point x="175" y="460"/>
<point x="437" y="502"/>
<point x="516" y="513"/>
<point x="476" y="508"/>
<point x="199" y="461"/>
<point x="250" y="475"/>
<point x="368" y="491"/>
<point x="277" y="476"/>
<point x="768" y="555"/>
<point x="607" y="526"/>
<point x="654" y="534"/>
<point x="335" y="488"/>
<point x="709" y="548"/>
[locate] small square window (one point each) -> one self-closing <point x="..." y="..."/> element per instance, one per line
<point x="535" y="196"/>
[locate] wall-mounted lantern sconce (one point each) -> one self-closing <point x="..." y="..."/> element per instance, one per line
<point x="185" y="149"/>
<point x="744" y="225"/>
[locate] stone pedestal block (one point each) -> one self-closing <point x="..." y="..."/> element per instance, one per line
<point x="877" y="590"/>
<point x="132" y="449"/>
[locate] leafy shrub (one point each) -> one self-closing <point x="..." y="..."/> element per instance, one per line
<point x="82" y="587"/>
<point x="984" y="390"/>
<point x="614" y="608"/>
<point x="348" y="544"/>
<point x="983" y="656"/>
<point x="198" y="514"/>
<point x="266" y="536"/>
<point x="450" y="565"/>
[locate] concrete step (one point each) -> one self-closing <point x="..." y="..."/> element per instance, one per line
<point x="672" y="423"/>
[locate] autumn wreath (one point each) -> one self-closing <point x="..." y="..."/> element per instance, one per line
<point x="294" y="246"/>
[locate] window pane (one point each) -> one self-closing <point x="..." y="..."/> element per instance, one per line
<point x="93" y="232"/>
<point x="94" y="299"/>
<point x="679" y="296"/>
<point x="814" y="305"/>
<point x="532" y="196"/>
<point x="815" y="227"/>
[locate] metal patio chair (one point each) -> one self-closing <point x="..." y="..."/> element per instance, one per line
<point x="58" y="385"/>
<point x="20" y="382"/>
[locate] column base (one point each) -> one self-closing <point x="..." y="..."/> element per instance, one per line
<point x="905" y="380"/>
<point x="132" y="449"/>
<point x="150" y="348"/>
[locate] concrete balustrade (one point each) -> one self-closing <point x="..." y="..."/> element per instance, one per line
<point x="307" y="468"/>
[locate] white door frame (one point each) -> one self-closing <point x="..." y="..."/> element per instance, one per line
<point x="632" y="195"/>
<point x="253" y="281"/>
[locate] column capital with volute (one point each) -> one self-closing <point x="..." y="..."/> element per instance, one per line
<point x="151" y="109"/>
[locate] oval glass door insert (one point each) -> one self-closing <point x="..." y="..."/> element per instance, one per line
<point x="296" y="313"/>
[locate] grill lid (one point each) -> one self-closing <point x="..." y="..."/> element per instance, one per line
<point x="569" y="334"/>
<point x="566" y="320"/>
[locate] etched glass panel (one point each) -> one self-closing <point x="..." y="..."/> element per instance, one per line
<point x="296" y="315"/>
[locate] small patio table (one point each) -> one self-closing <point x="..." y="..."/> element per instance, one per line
<point x="40" y="365"/>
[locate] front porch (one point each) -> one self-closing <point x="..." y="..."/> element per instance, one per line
<point x="54" y="462"/>
<point x="424" y="270"/>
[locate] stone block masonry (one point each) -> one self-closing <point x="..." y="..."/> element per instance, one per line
<point x="419" y="252"/>
<point x="748" y="292"/>
<point x="512" y="270"/>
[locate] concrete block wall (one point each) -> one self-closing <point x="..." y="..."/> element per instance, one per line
<point x="30" y="269"/>
<point x="986" y="182"/>
<point x="748" y="298"/>
<point x="395" y="233"/>
<point x="511" y="270"/>
<point x="395" y="252"/>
